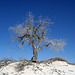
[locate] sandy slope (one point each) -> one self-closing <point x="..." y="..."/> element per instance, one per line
<point x="54" y="68"/>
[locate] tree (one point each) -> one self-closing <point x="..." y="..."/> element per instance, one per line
<point x="34" y="32"/>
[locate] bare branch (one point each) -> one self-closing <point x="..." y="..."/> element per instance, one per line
<point x="57" y="44"/>
<point x="39" y="43"/>
<point x="44" y="46"/>
<point x="40" y="25"/>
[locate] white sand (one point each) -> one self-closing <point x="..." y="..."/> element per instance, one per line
<point x="54" y="68"/>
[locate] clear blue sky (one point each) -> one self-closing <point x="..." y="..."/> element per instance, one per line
<point x="62" y="12"/>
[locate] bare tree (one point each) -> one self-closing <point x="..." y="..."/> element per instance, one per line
<point x="34" y="32"/>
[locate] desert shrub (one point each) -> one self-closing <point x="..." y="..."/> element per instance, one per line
<point x="57" y="59"/>
<point x="22" y="59"/>
<point x="20" y="66"/>
<point x="5" y="61"/>
<point x="71" y="63"/>
<point x="53" y="59"/>
<point x="4" y="74"/>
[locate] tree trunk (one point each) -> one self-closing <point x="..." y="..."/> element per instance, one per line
<point x="35" y="53"/>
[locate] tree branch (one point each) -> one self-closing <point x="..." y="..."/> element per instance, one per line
<point x="44" y="46"/>
<point x="40" y="25"/>
<point x="40" y="38"/>
<point x="43" y="33"/>
<point x="26" y="35"/>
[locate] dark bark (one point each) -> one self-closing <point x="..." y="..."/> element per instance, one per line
<point x="35" y="53"/>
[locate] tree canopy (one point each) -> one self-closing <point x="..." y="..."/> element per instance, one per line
<point x="34" y="32"/>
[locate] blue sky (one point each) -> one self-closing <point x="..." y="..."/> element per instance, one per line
<point x="62" y="12"/>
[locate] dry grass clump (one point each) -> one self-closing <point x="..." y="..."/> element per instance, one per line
<point x="20" y="66"/>
<point x="53" y="59"/>
<point x="5" y="62"/>
<point x="58" y="59"/>
<point x="22" y="59"/>
<point x="71" y="63"/>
